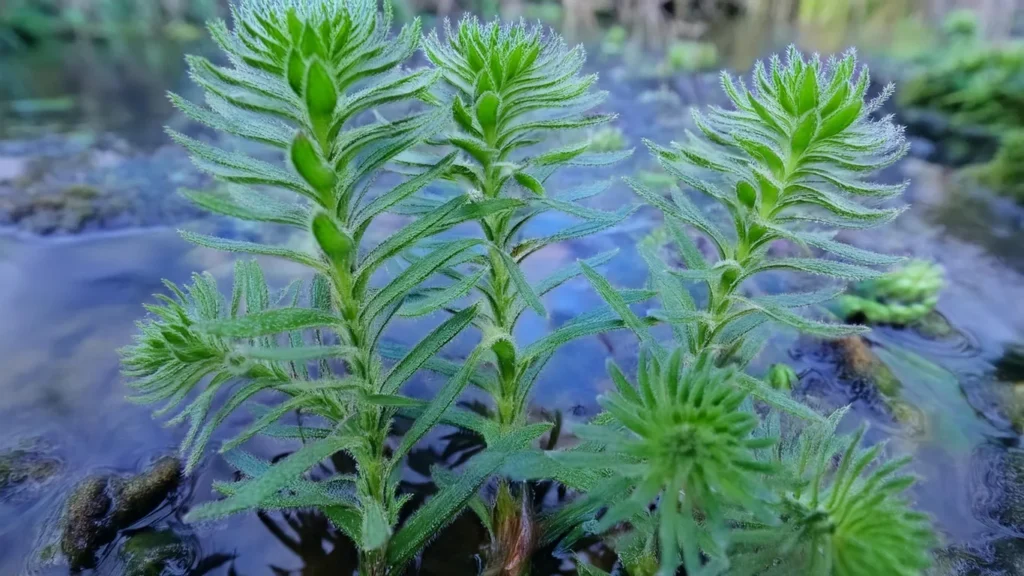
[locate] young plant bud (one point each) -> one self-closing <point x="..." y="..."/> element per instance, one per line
<point x="463" y="117"/>
<point x="295" y="26"/>
<point x="308" y="164"/>
<point x="487" y="110"/>
<point x="296" y="71"/>
<point x="321" y="100"/>
<point x="335" y="243"/>
<point x="746" y="194"/>
<point x="808" y="94"/>
<point x="782" y="377"/>
<point x="841" y="119"/>
<point x="804" y="133"/>
<point x="311" y="44"/>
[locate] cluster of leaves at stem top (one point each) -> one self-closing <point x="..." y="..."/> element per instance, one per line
<point x="302" y="77"/>
<point x="513" y="88"/>
<point x="790" y="161"/>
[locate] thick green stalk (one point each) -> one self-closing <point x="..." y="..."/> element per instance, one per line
<point x="513" y="540"/>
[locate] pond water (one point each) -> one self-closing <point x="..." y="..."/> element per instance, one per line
<point x="68" y="303"/>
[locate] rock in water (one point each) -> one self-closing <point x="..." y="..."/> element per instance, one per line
<point x="859" y="362"/>
<point x="101" y="506"/>
<point x="156" y="553"/>
<point x="25" y="467"/>
<point x="85" y="515"/>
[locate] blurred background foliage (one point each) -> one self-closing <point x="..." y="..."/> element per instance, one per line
<point x="654" y="23"/>
<point x="959" y="64"/>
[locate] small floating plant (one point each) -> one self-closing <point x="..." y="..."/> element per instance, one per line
<point x="901" y="297"/>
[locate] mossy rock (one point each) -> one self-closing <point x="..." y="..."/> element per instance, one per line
<point x="858" y="362"/>
<point x="66" y="211"/>
<point x="156" y="553"/>
<point x="23" y="466"/>
<point x="101" y="506"/>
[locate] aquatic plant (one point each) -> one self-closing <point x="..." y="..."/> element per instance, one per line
<point x="689" y="57"/>
<point x="680" y="457"/>
<point x="795" y="151"/>
<point x="512" y="88"/>
<point x="607" y="139"/>
<point x="900" y="297"/>
<point x="300" y="75"/>
<point x="1005" y="172"/>
<point x="969" y="79"/>
<point x="614" y="41"/>
<point x="782" y="377"/>
<point x="843" y="512"/>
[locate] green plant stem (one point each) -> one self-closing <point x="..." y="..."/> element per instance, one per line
<point x="749" y="238"/>
<point x="374" y="422"/>
<point x="513" y="529"/>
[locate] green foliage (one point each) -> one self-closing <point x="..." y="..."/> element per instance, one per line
<point x="961" y="24"/>
<point x="686" y="442"/>
<point x="607" y="139"/>
<point x="614" y="41"/>
<point x="971" y="80"/>
<point x="977" y="85"/>
<point x="900" y="297"/>
<point x="782" y="377"/>
<point x="1005" y="172"/>
<point x="796" y="152"/>
<point x="300" y="76"/>
<point x="512" y="87"/>
<point x="689" y="57"/>
<point x="683" y="457"/>
<point x="844" y="512"/>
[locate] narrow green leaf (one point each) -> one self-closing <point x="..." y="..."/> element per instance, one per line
<point x="775" y="398"/>
<point x="405" y="238"/>
<point x="446" y="504"/>
<point x="530" y="183"/>
<point x="375" y="529"/>
<point x="402" y="191"/>
<point x="437" y="407"/>
<point x="270" y="322"/>
<point x="426" y="349"/>
<point x="814" y="266"/>
<point x="523" y="287"/>
<point x="440" y="298"/>
<point x="414" y="275"/>
<point x="279" y="476"/>
<point x="617" y="303"/>
<point x="252" y="248"/>
<point x="246" y="204"/>
<point x="298" y="354"/>
<point x="848" y="252"/>
<point x="814" y="328"/>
